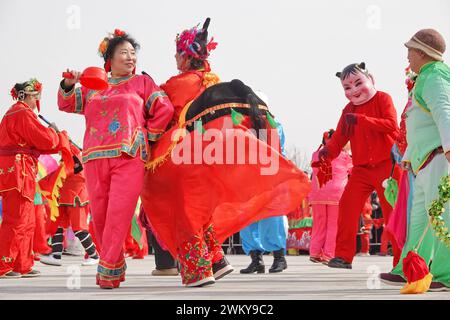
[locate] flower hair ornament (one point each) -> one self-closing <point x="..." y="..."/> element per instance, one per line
<point x="31" y="87"/>
<point x="410" y="78"/>
<point x="193" y="42"/>
<point x="103" y="47"/>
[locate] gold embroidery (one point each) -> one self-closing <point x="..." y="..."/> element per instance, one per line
<point x="18" y="157"/>
<point x="2" y="172"/>
<point x="11" y="170"/>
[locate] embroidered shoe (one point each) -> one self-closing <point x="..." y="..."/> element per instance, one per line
<point x="108" y="284"/>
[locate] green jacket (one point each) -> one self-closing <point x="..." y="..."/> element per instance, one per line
<point x="428" y="121"/>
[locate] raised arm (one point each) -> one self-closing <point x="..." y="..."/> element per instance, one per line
<point x="71" y="99"/>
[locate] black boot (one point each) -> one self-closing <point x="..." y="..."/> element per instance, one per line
<point x="257" y="264"/>
<point x="279" y="261"/>
<point x="339" y="263"/>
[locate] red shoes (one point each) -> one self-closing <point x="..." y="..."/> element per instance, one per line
<point x="109" y="284"/>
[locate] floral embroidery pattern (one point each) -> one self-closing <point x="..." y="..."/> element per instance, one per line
<point x="7" y="259"/>
<point x="113" y="127"/>
<point x="197" y="256"/>
<point x="11" y="170"/>
<point x="2" y="172"/>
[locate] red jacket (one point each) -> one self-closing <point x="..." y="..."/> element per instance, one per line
<point x="21" y="135"/>
<point x="187" y="86"/>
<point x="373" y="135"/>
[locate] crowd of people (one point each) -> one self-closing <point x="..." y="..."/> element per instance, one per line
<point x="128" y="180"/>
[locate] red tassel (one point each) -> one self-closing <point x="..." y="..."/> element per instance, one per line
<point x="325" y="171"/>
<point x="414" y="267"/>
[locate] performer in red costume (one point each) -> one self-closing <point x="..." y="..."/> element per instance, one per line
<point x="195" y="73"/>
<point x="73" y="210"/>
<point x="121" y="122"/>
<point x="22" y="139"/>
<point x="369" y="122"/>
<point x="193" y="207"/>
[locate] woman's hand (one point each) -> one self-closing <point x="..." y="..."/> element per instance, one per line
<point x="76" y="77"/>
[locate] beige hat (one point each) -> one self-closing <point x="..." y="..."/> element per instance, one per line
<point x="430" y="42"/>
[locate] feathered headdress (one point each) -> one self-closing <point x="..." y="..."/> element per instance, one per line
<point x="194" y="42"/>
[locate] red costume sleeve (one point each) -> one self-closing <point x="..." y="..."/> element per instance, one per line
<point x="338" y="139"/>
<point x="33" y="133"/>
<point x="73" y="101"/>
<point x="159" y="109"/>
<point x="387" y="122"/>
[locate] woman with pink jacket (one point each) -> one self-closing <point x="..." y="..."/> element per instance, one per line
<point x="324" y="201"/>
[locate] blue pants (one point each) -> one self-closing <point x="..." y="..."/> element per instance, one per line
<point x="266" y="235"/>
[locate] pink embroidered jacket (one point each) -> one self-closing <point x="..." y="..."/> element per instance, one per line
<point x="120" y="119"/>
<point x="332" y="191"/>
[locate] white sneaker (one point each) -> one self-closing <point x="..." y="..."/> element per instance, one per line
<point x="202" y="283"/>
<point x="90" y="262"/>
<point x="50" y="260"/>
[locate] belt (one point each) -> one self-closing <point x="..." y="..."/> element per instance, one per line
<point x="431" y="156"/>
<point x="14" y="151"/>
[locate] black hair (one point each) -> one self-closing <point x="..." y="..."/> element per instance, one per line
<point x="353" y="68"/>
<point x="252" y="99"/>
<point x="114" y="42"/>
<point x="21" y="87"/>
<point x="196" y="64"/>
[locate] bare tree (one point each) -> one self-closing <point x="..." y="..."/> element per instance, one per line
<point x="299" y="158"/>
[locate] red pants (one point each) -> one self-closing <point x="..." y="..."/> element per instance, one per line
<point x="323" y="238"/>
<point x="74" y="217"/>
<point x="198" y="255"/>
<point x="40" y="244"/>
<point x="361" y="183"/>
<point x="114" y="185"/>
<point x="365" y="243"/>
<point x="16" y="233"/>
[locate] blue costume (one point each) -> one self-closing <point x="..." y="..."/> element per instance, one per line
<point x="267" y="235"/>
